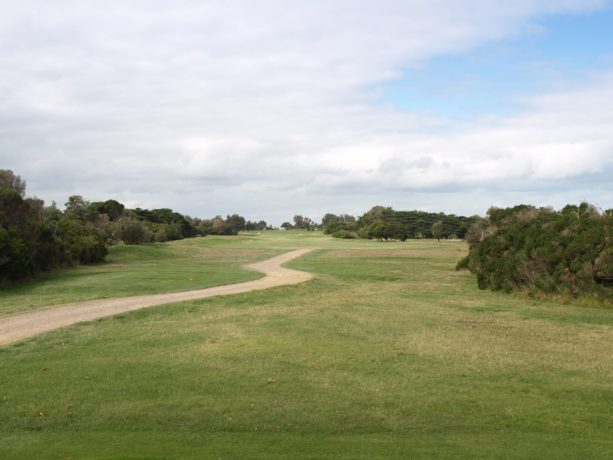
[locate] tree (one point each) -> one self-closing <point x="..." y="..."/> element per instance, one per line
<point x="217" y="225"/>
<point x="378" y="230"/>
<point x="35" y="238"/>
<point x="131" y="230"/>
<point x="234" y="224"/>
<point x="328" y="219"/>
<point x="15" y="210"/>
<point x="374" y="214"/>
<point x="298" y="222"/>
<point x="437" y="230"/>
<point x="112" y="208"/>
<point x="24" y="234"/>
<point x="403" y="224"/>
<point x="308" y="224"/>
<point x="333" y="223"/>
<point x="303" y="223"/>
<point x="80" y="242"/>
<point x="12" y="181"/>
<point x="79" y="208"/>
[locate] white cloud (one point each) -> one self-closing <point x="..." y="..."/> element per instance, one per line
<point x="182" y="103"/>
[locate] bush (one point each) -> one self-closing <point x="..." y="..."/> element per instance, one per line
<point x="344" y="234"/>
<point x="80" y="242"/>
<point x="131" y="230"/>
<point x="463" y="263"/>
<point x="603" y="266"/>
<point x="543" y="250"/>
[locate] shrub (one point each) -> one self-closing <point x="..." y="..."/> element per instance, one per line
<point x="344" y="234"/>
<point x="131" y="230"/>
<point x="539" y="249"/>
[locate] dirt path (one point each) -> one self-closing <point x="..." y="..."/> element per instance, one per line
<point x="19" y="327"/>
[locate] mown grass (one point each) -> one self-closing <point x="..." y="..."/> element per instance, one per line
<point x="134" y="270"/>
<point x="157" y="268"/>
<point x="388" y="353"/>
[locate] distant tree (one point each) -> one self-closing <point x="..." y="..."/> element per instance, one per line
<point x="131" y="230"/>
<point x="286" y="225"/>
<point x="299" y="222"/>
<point x="378" y="230"/>
<point x="401" y="225"/>
<point x="304" y="223"/>
<point x="217" y="225"/>
<point x="204" y="226"/>
<point x="79" y="208"/>
<point x="374" y="214"/>
<point x="261" y="225"/>
<point x="15" y="210"/>
<point x="161" y="235"/>
<point x="173" y="231"/>
<point x="80" y="241"/>
<point x="437" y="230"/>
<point x="10" y="180"/>
<point x="155" y="218"/>
<point x="333" y="223"/>
<point x="234" y="224"/>
<point x="329" y="218"/>
<point x="112" y="208"/>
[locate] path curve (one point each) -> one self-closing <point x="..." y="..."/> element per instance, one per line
<point x="19" y="327"/>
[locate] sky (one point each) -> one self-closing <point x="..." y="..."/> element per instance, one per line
<point x="274" y="108"/>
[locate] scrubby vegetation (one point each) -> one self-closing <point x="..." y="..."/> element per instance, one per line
<point x="35" y="237"/>
<point x="539" y="249"/>
<point x="385" y="223"/>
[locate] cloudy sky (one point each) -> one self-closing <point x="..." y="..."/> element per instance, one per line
<point x="271" y="108"/>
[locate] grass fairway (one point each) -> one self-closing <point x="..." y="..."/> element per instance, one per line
<point x="387" y="353"/>
<point x="133" y="270"/>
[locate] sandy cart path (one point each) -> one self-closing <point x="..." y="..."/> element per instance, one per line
<point x="18" y="327"/>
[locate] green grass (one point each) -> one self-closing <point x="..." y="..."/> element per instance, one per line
<point x="388" y="353"/>
<point x="133" y="270"/>
<point x="158" y="268"/>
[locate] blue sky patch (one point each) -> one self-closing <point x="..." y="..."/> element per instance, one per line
<point x="494" y="79"/>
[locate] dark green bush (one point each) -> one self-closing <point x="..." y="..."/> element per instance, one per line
<point x="344" y="234"/>
<point x="35" y="238"/>
<point x="539" y="249"/>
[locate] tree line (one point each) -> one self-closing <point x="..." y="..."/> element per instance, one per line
<point x="35" y="237"/>
<point x="538" y="249"/>
<point x="385" y="223"/>
<point x="301" y="223"/>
